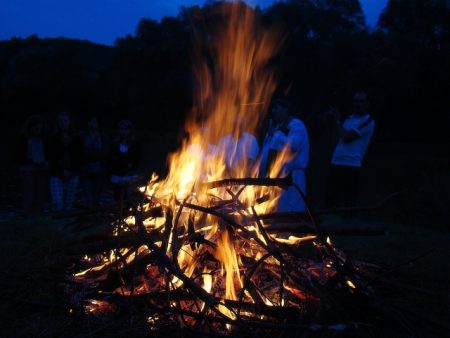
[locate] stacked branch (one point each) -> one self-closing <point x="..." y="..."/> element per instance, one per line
<point x="286" y="286"/>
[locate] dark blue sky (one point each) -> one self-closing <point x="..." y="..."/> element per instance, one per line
<point x="103" y="21"/>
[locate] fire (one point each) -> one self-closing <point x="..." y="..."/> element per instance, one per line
<point x="231" y="101"/>
<point x="195" y="246"/>
<point x="226" y="254"/>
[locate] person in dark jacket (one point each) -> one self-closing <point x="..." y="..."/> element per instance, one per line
<point x="124" y="157"/>
<point x="64" y="154"/>
<point x="93" y="162"/>
<point x="29" y="154"/>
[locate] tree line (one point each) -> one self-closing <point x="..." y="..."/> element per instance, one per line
<point x="403" y="64"/>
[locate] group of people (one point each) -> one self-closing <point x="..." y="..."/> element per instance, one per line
<point x="289" y="134"/>
<point x="66" y="159"/>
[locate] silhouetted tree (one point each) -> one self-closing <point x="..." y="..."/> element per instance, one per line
<point x="147" y="76"/>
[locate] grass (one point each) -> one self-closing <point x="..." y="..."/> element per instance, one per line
<point x="34" y="303"/>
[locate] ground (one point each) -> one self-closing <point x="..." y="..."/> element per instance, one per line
<point x="414" y="252"/>
<point x="33" y="265"/>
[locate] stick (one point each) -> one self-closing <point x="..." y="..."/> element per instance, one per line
<point x="268" y="182"/>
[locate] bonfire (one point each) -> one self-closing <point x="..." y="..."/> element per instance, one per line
<point x="204" y="248"/>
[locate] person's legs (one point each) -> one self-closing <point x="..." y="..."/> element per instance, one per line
<point x="57" y="192"/>
<point x="351" y="186"/>
<point x="28" y="188"/>
<point x="117" y="192"/>
<point x="290" y="199"/>
<point x="333" y="194"/>
<point x="97" y="183"/>
<point x="71" y="185"/>
<point x="87" y="183"/>
<point x="40" y="192"/>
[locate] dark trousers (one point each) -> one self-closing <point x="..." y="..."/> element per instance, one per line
<point x="342" y="186"/>
<point x="122" y="194"/>
<point x="92" y="187"/>
<point x="34" y="185"/>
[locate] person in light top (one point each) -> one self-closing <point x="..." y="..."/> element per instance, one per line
<point x="355" y="134"/>
<point x="240" y="153"/>
<point x="286" y="131"/>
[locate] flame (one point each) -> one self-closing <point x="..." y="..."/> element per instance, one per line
<point x="293" y="240"/>
<point x="226" y="254"/>
<point x="351" y="284"/>
<point x="207" y="281"/>
<point x="233" y="96"/>
<point x="231" y="100"/>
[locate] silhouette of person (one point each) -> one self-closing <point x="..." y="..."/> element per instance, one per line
<point x="355" y="134"/>
<point x="123" y="160"/>
<point x="30" y="155"/>
<point x="64" y="153"/>
<point x="286" y="132"/>
<point x="93" y="165"/>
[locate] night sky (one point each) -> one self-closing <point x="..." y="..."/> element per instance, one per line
<point x="102" y="21"/>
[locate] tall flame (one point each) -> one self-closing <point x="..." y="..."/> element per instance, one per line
<point x="214" y="236"/>
<point x="234" y="86"/>
<point x="226" y="254"/>
<point x="234" y="92"/>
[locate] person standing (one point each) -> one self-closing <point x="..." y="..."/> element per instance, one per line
<point x="64" y="158"/>
<point x="355" y="134"/>
<point x="239" y="149"/>
<point x="123" y="160"/>
<point x="93" y="166"/>
<point x="29" y="154"/>
<point x="287" y="133"/>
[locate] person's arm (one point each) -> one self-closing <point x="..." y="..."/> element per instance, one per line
<point x="279" y="140"/>
<point x="346" y="135"/>
<point x="293" y="136"/>
<point x="354" y="132"/>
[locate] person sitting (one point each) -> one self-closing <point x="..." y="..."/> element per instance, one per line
<point x="355" y="134"/>
<point x="286" y="133"/>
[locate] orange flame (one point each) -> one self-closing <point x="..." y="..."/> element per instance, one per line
<point x="231" y="100"/>
<point x="232" y="96"/>
<point x="226" y="254"/>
